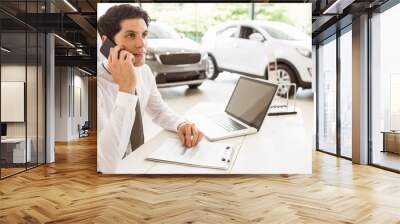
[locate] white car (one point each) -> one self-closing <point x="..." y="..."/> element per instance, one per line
<point x="247" y="47"/>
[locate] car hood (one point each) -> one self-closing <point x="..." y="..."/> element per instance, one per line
<point x="183" y="45"/>
<point x="305" y="44"/>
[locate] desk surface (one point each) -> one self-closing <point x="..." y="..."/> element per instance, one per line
<point x="391" y="132"/>
<point x="13" y="140"/>
<point x="280" y="147"/>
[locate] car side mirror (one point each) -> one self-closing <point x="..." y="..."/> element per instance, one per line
<point x="257" y="37"/>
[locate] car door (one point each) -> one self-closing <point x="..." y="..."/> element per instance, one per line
<point x="225" y="42"/>
<point x="252" y="53"/>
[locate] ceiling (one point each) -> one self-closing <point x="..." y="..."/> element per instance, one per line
<point x="75" y="21"/>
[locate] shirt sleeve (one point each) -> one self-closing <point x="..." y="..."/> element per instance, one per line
<point x="114" y="130"/>
<point x="159" y="110"/>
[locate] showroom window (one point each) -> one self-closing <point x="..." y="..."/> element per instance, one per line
<point x="334" y="94"/>
<point x="345" y="81"/>
<point x="326" y="96"/>
<point x="193" y="20"/>
<point x="385" y="90"/>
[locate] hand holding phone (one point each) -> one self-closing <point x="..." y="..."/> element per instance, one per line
<point x="121" y="65"/>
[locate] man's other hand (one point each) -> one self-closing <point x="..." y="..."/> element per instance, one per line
<point x="189" y="135"/>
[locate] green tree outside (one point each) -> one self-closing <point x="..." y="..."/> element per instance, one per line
<point x="194" y="19"/>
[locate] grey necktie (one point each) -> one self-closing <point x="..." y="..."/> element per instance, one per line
<point x="137" y="136"/>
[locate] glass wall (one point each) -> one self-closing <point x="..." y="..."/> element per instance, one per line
<point x="327" y="96"/>
<point x="31" y="99"/>
<point x="41" y="97"/>
<point x="385" y="89"/>
<point x="346" y="92"/>
<point x="13" y="88"/>
<point x="334" y="106"/>
<point x="22" y="89"/>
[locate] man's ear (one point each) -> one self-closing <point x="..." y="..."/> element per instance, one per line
<point x="103" y="38"/>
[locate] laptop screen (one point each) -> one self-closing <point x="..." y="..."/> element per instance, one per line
<point x="250" y="101"/>
<point x="3" y="129"/>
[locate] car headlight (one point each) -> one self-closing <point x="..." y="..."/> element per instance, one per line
<point x="306" y="53"/>
<point x="150" y="56"/>
<point x="204" y="55"/>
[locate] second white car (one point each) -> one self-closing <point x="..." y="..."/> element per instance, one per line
<point x="248" y="47"/>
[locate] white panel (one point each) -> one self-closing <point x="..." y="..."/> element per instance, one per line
<point x="76" y="120"/>
<point x="12" y="101"/>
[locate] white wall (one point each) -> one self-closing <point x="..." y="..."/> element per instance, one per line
<point x="33" y="126"/>
<point x="12" y="100"/>
<point x="71" y="93"/>
<point x="15" y="73"/>
<point x="79" y="117"/>
<point x="61" y="103"/>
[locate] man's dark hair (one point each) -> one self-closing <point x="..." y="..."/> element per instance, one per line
<point x="109" y="24"/>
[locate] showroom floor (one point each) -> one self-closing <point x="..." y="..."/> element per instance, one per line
<point x="71" y="191"/>
<point x="387" y="159"/>
<point x="181" y="99"/>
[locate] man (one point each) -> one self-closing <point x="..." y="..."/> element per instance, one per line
<point x="126" y="87"/>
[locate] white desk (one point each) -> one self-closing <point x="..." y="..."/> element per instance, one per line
<point x="280" y="147"/>
<point x="18" y="150"/>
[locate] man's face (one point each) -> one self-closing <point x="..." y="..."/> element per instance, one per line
<point x="132" y="37"/>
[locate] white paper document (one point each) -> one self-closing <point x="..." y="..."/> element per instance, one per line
<point x="205" y="154"/>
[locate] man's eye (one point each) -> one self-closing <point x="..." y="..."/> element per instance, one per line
<point x="131" y="35"/>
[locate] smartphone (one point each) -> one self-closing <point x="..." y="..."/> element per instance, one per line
<point x="105" y="48"/>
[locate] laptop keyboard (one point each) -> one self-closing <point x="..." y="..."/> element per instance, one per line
<point x="278" y="108"/>
<point x="281" y="110"/>
<point x="227" y="123"/>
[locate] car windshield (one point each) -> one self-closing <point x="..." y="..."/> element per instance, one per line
<point x="162" y="31"/>
<point x="284" y="32"/>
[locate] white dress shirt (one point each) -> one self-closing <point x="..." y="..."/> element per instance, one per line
<point x="116" y="114"/>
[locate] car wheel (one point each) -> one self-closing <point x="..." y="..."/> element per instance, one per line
<point x="212" y="68"/>
<point x="284" y="75"/>
<point x="194" y="86"/>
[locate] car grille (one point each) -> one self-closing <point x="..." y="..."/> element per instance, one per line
<point x="180" y="59"/>
<point x="180" y="76"/>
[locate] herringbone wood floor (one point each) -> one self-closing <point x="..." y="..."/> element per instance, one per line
<point x="70" y="191"/>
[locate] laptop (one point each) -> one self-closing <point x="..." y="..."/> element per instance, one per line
<point x="244" y="114"/>
<point x="3" y="131"/>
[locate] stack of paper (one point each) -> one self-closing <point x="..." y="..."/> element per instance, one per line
<point x="205" y="154"/>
